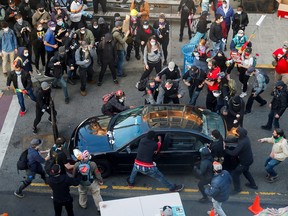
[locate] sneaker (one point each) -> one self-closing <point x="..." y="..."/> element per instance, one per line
<point x="137" y="84"/>
<point x="19" y="195"/>
<point x="22" y="113"/>
<point x="116" y="81"/>
<point x="255" y="187"/>
<point x="266" y="127"/>
<point x="180" y="39"/>
<point x="243" y="94"/>
<point x="67" y="100"/>
<point x="99" y="83"/>
<point x="177" y="188"/>
<point x="267" y="176"/>
<point x="127" y="58"/>
<point x="34" y="130"/>
<point x="129" y="183"/>
<point x="263" y="104"/>
<point x="204" y="199"/>
<point x="138" y="57"/>
<point x="272" y="179"/>
<point x="83" y="93"/>
<point x="241" y="87"/>
<point x="38" y="72"/>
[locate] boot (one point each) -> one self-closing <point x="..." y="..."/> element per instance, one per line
<point x="18" y="192"/>
<point x="180" y="38"/>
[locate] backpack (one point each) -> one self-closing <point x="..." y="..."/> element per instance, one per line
<point x="107" y="97"/>
<point x="267" y="79"/>
<point x="141" y="85"/>
<point x="49" y="163"/>
<point x="232" y="87"/>
<point x="84" y="170"/>
<point x="22" y="163"/>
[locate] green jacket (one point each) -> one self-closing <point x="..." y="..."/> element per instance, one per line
<point x="119" y="38"/>
<point x="88" y="37"/>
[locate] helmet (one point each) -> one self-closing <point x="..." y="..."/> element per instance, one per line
<point x="119" y="94"/>
<point x="86" y="155"/>
<point x="133" y="12"/>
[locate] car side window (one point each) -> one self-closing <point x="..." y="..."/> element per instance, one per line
<point x="184" y="141"/>
<point x="134" y="145"/>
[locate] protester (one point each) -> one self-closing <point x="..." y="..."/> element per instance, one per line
<point x="23" y="54"/>
<point x="144" y="33"/>
<point x="259" y="86"/>
<point x="86" y="35"/>
<point x="278" y="153"/>
<point x="103" y="4"/>
<point x="76" y="8"/>
<point x="10" y="13"/>
<point x="144" y="164"/>
<point x="58" y="12"/>
<point x="201" y="55"/>
<point x="223" y="90"/>
<point x="240" y="20"/>
<point x="216" y="35"/>
<point x="217" y="146"/>
<point x="26" y="10"/>
<point x="281" y="63"/>
<point x="172" y="72"/>
<point x="91" y="182"/>
<point x="151" y="91"/>
<point x="170" y="91"/>
<point x="244" y="153"/>
<point x="277" y="106"/>
<point x="41" y="16"/>
<point x="142" y="7"/>
<point x="61" y="31"/>
<point x="116" y="18"/>
<point x="34" y="166"/>
<point x="22" y="83"/>
<point x="219" y="189"/>
<point x="235" y="115"/>
<point x="187" y="9"/>
<point x="22" y="30"/>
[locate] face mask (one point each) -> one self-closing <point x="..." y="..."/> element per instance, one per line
<point x="95" y="26"/>
<point x="153" y="43"/>
<point x="225" y="5"/>
<point x="6" y="29"/>
<point x="82" y="31"/>
<point x="39" y="28"/>
<point x="284" y="50"/>
<point x="18" y="72"/>
<point x="145" y="26"/>
<point x="210" y="67"/>
<point x="239" y="12"/>
<point x="26" y="54"/>
<point x="275" y="137"/>
<point x="78" y="3"/>
<point x="161" y="23"/>
<point x="20" y="21"/>
<point x="219" y="54"/>
<point x="42" y="11"/>
<point x="60" y="23"/>
<point x="52" y="28"/>
<point x="121" y="100"/>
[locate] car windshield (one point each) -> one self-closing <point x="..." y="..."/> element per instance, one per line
<point x="212" y="121"/>
<point x="127" y="126"/>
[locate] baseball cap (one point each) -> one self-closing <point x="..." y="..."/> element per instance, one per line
<point x="51" y="24"/>
<point x="45" y="86"/>
<point x="36" y="142"/>
<point x="250" y="70"/>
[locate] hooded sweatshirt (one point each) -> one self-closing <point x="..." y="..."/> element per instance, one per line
<point x="279" y="148"/>
<point x="27" y="66"/>
<point x="206" y="168"/>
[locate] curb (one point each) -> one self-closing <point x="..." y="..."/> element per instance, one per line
<point x="268" y="66"/>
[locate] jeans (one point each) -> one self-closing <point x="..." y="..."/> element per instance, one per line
<point x="218" y="207"/>
<point x="193" y="95"/>
<point x="85" y="74"/>
<point x="185" y="20"/>
<point x="269" y="166"/>
<point x="251" y="99"/>
<point x="156" y="65"/>
<point x="152" y="172"/>
<point x="50" y="54"/>
<point x="103" y="70"/>
<point x="273" y="120"/>
<point x="21" y="98"/>
<point x="120" y="62"/>
<point x="63" y="85"/>
<point x="236" y="176"/>
<point x="216" y="47"/>
<point x="68" y="206"/>
<point x="211" y="101"/>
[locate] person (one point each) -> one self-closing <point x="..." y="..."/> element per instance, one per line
<point x="151" y="91"/>
<point x="247" y="61"/>
<point x="60" y="184"/>
<point x="43" y="105"/>
<point x="227" y="13"/>
<point x="142" y="7"/>
<point x="216" y="35"/>
<point x="103" y="27"/>
<point x="107" y="48"/>
<point x="61" y="31"/>
<point x="116" y="104"/>
<point x="76" y="8"/>
<point x="152" y="57"/>
<point x="201" y="55"/>
<point x="10" y="13"/>
<point x="144" y="34"/>
<point x="259" y="86"/>
<point x="217" y="146"/>
<point x="278" y="153"/>
<point x="244" y="152"/>
<point x="170" y="91"/>
<point x="8" y="47"/>
<point x="134" y="26"/>
<point x="91" y="183"/>
<point x="26" y="10"/>
<point x="120" y="39"/>
<point x="219" y="189"/>
<point x="240" y="20"/>
<point x="34" y="166"/>
<point x="235" y="115"/>
<point x="172" y="71"/>
<point x="212" y="84"/>
<point x="277" y="106"/>
<point x="223" y="89"/>
<point x="86" y="35"/>
<point x="57" y="12"/>
<point x="50" y="45"/>
<point x="204" y="172"/>
<point x="95" y="29"/>
<point x="103" y="4"/>
<point x="116" y="17"/>
<point x="144" y="164"/>
<point x="238" y="42"/>
<point x="281" y="63"/>
<point x="187" y="9"/>
<point x="23" y="54"/>
<point x="37" y="39"/>
<point x="22" y="83"/>
<point x="41" y="16"/>
<point x="162" y="28"/>
<point x="194" y="79"/>
<point x="84" y="59"/>
<point x="58" y="64"/>
<point x="22" y="30"/>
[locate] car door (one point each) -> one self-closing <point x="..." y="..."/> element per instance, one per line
<point x="179" y="151"/>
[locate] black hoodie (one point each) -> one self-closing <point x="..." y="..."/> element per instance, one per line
<point x="243" y="149"/>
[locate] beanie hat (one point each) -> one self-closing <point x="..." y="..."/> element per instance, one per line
<point x="55" y="170"/>
<point x="236" y="101"/>
<point x="62" y="49"/>
<point x="36" y="142"/>
<point x="45" y="86"/>
<point x="118" y="23"/>
<point x="171" y="65"/>
<point x="280" y="83"/>
<point x="101" y="20"/>
<point x="216" y="134"/>
<point x="217" y="166"/>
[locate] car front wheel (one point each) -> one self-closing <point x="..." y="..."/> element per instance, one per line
<point x="104" y="167"/>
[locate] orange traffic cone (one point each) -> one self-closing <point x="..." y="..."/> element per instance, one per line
<point x="4" y="214"/>
<point x="212" y="212"/>
<point x="255" y="208"/>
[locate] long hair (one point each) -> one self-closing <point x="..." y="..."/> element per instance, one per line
<point x="149" y="45"/>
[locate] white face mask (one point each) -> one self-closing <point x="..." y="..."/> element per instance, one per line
<point x="95" y="26"/>
<point x="18" y="72"/>
<point x="168" y="88"/>
<point x="6" y="29"/>
<point x="82" y="31"/>
<point x="60" y="23"/>
<point x="121" y="100"/>
<point x="52" y="28"/>
<point x="284" y="50"/>
<point x="210" y="67"/>
<point x="239" y="12"/>
<point x="26" y="54"/>
<point x="78" y="3"/>
<point x="39" y="28"/>
<point x="153" y="43"/>
<point x="145" y="26"/>
<point x="20" y="21"/>
<point x="225" y="5"/>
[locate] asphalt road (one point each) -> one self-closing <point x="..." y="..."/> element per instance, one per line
<point x="37" y="201"/>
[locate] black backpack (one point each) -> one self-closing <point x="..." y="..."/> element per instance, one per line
<point x="22" y="163"/>
<point x="142" y="84"/>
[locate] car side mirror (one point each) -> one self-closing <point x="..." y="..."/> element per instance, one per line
<point x="128" y="149"/>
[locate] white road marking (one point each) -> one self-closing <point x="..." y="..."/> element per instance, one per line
<point x="8" y="127"/>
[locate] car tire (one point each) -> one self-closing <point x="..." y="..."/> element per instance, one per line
<point x="105" y="167"/>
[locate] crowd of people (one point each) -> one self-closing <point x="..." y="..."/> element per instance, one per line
<point x="65" y="43"/>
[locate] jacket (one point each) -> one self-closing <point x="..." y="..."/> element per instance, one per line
<point x="215" y="32"/>
<point x="217" y="148"/>
<point x="240" y="21"/>
<point x="25" y="35"/>
<point x="145" y="152"/>
<point x="174" y="75"/>
<point x="43" y="99"/>
<point x="226" y="16"/>
<point x="280" y="148"/>
<point x="113" y="106"/>
<point x="107" y="49"/>
<point x="93" y="169"/>
<point x="119" y="38"/>
<point x="25" y="78"/>
<point x="25" y="10"/>
<point x="142" y="35"/>
<point x="37" y="40"/>
<point x="243" y="149"/>
<point x="195" y="79"/>
<point x="60" y="186"/>
<point x="220" y="186"/>
<point x="34" y="160"/>
<point x="202" y="25"/>
<point x="27" y="66"/>
<point x="162" y="31"/>
<point x="206" y="168"/>
<point x="279" y="101"/>
<point x="37" y="17"/>
<point x="171" y="93"/>
<point x="152" y="56"/>
<point x="187" y="7"/>
<point x="143" y="8"/>
<point x="259" y="82"/>
<point x="80" y="60"/>
<point x="88" y="37"/>
<point x="8" y="41"/>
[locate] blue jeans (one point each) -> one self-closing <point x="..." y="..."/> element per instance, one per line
<point x="152" y="172"/>
<point x="270" y="164"/>
<point x="63" y="84"/>
<point x="120" y="62"/>
<point x="218" y="207"/>
<point x="216" y="47"/>
<point x="193" y="97"/>
<point x="21" y="98"/>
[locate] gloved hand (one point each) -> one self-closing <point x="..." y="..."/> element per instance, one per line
<point x="224" y="40"/>
<point x="43" y="110"/>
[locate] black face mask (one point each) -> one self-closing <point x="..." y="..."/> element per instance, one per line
<point x="61" y="56"/>
<point x="42" y="10"/>
<point x="275" y="137"/>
